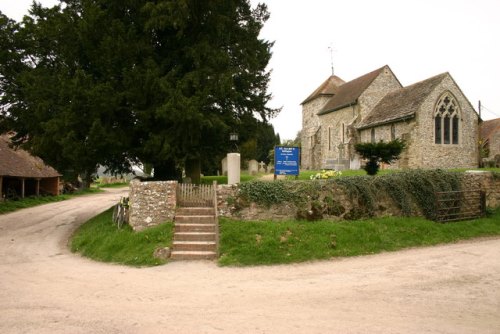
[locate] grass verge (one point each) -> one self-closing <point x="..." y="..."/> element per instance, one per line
<point x="28" y="202"/>
<point x="265" y="243"/>
<point x="99" y="239"/>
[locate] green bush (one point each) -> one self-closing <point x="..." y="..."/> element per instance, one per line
<point x="379" y="152"/>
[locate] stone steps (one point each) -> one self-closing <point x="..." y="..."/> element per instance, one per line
<point x="193" y="255"/>
<point x="195" y="235"/>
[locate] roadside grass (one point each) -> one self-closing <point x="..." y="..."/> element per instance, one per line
<point x="222" y="179"/>
<point x="100" y="239"/>
<point x="28" y="202"/>
<point x="112" y="185"/>
<point x="265" y="243"/>
<point x="306" y="174"/>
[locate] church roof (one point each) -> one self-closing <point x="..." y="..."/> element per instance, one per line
<point x="19" y="163"/>
<point x="328" y="88"/>
<point x="349" y="92"/>
<point x="402" y="103"/>
<point x="489" y="128"/>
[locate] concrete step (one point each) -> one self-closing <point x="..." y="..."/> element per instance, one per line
<point x="198" y="219"/>
<point x="200" y="246"/>
<point x="193" y="255"/>
<point x="181" y="227"/>
<point x="194" y="236"/>
<point x="196" y="211"/>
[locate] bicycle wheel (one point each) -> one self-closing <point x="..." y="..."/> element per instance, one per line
<point x="115" y="213"/>
<point x="126" y="216"/>
<point x="121" y="217"/>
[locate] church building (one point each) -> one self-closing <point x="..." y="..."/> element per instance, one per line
<point x="433" y="117"/>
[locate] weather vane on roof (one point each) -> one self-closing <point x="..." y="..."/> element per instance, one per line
<point x="331" y="57"/>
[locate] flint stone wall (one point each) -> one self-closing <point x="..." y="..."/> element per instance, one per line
<point x="230" y="205"/>
<point x="152" y="203"/>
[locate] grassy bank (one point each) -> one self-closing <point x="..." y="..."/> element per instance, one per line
<point x="263" y="243"/>
<point x="100" y="239"/>
<point x="28" y="202"/>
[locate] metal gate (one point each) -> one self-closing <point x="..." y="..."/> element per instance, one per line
<point x="196" y="195"/>
<point x="460" y="205"/>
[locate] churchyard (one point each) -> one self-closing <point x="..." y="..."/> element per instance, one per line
<point x="285" y="221"/>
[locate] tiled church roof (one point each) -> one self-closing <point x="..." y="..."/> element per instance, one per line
<point x="402" y="103"/>
<point x="328" y="88"/>
<point x="349" y="92"/>
<point x="19" y="163"/>
<point x="489" y="128"/>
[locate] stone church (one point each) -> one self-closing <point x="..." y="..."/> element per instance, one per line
<point x="433" y="116"/>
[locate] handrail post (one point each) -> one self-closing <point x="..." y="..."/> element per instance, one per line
<point x="216" y="215"/>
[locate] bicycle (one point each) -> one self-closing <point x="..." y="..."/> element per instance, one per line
<point x="121" y="212"/>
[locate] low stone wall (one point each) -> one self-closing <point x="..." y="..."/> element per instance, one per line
<point x="231" y="206"/>
<point x="151" y="203"/>
<point x="485" y="181"/>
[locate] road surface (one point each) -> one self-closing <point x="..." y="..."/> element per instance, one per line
<point x="44" y="288"/>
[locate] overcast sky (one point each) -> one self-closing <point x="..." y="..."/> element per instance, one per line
<point x="417" y="39"/>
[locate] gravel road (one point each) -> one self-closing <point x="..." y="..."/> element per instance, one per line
<point x="46" y="289"/>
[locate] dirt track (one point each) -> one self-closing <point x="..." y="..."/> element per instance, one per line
<point x="46" y="289"/>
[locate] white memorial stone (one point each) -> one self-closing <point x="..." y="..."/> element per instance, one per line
<point x="233" y="168"/>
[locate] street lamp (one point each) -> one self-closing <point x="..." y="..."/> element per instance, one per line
<point x="233" y="138"/>
<point x="233" y="161"/>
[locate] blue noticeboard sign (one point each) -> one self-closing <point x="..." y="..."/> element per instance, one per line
<point x="286" y="160"/>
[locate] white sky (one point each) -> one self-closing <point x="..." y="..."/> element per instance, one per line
<point x="416" y="38"/>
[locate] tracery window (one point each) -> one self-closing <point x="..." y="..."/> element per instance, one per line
<point x="446" y="120"/>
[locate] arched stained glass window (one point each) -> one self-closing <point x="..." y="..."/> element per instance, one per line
<point x="446" y="120"/>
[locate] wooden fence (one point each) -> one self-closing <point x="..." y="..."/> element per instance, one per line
<point x="196" y="195"/>
<point x="460" y="205"/>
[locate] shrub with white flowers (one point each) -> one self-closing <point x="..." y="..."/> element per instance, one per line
<point x="326" y="174"/>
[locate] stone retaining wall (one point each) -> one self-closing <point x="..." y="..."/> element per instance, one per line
<point x="151" y="203"/>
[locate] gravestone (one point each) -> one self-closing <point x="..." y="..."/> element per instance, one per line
<point x="262" y="167"/>
<point x="224" y="166"/>
<point x="253" y="167"/>
<point x="233" y="168"/>
<point x="270" y="168"/>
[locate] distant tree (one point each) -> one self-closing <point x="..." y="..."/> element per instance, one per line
<point x="379" y="152"/>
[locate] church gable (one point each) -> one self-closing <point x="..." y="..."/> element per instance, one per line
<point x="400" y="104"/>
<point x="326" y="89"/>
<point x="349" y="93"/>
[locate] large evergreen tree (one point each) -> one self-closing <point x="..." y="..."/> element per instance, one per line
<point x="111" y="81"/>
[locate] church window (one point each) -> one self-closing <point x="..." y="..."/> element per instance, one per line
<point x="437" y="122"/>
<point x="446" y="120"/>
<point x="373" y="135"/>
<point x="455" y="130"/>
<point x="393" y="132"/>
<point x="446" y="128"/>
<point x="342" y="135"/>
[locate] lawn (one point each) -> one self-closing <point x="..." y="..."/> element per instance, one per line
<point x="264" y="243"/>
<point x="100" y="240"/>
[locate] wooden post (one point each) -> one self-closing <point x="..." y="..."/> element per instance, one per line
<point x="22" y="187"/>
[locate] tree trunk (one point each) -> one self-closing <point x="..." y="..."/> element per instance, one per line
<point x="193" y="170"/>
<point x="166" y="170"/>
<point x="86" y="180"/>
